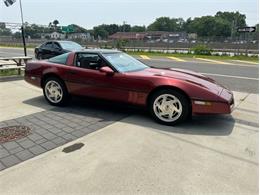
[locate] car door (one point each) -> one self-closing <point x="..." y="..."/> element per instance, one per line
<point x="47" y="50"/>
<point x="56" y="50"/>
<point x="85" y="78"/>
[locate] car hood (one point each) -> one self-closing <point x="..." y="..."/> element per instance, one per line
<point x="186" y="75"/>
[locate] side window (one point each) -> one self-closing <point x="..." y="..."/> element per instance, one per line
<point x="47" y="45"/>
<point x="56" y="46"/>
<point x="60" y="59"/>
<point x="89" y="61"/>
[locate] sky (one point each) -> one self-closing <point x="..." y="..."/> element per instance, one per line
<point x="89" y="13"/>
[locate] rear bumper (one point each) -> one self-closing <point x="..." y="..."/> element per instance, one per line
<point x="34" y="80"/>
<point x="225" y="106"/>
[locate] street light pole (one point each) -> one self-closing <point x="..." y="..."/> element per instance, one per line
<point x="22" y="28"/>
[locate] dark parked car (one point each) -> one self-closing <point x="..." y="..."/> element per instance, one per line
<point x="51" y="49"/>
<point x="171" y="95"/>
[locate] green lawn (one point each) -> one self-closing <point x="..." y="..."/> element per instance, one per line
<point x="9" y="72"/>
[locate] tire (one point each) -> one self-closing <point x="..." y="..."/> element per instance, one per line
<point x="39" y="56"/>
<point x="169" y="107"/>
<point x="55" y="92"/>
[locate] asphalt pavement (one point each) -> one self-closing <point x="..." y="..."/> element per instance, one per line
<point x="236" y="75"/>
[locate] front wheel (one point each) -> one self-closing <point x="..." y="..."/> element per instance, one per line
<point x="55" y="92"/>
<point x="169" y="106"/>
<point x="39" y="56"/>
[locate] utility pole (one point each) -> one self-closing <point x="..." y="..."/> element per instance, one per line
<point x="124" y="23"/>
<point x="9" y="3"/>
<point x="22" y="29"/>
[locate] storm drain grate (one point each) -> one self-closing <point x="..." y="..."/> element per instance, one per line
<point x="11" y="133"/>
<point x="73" y="147"/>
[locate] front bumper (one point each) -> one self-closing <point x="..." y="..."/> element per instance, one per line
<point x="226" y="106"/>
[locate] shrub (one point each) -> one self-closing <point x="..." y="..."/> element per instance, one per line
<point x="201" y="50"/>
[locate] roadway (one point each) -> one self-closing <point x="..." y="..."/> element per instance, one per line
<point x="236" y="75"/>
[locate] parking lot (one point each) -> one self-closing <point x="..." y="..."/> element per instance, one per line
<point x="123" y="150"/>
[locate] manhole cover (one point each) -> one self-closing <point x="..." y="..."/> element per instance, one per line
<point x="13" y="132"/>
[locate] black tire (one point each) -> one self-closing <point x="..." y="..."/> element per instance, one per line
<point x="39" y="56"/>
<point x="65" y="95"/>
<point x="183" y="100"/>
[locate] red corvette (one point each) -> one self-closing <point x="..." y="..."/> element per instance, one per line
<point x="171" y="95"/>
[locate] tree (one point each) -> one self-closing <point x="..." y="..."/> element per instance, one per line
<point x="111" y="28"/>
<point x="55" y="23"/>
<point x="208" y="26"/>
<point x="233" y="18"/>
<point x="4" y="31"/>
<point x="17" y="35"/>
<point x="99" y="31"/>
<point x="2" y="25"/>
<point x="167" y="24"/>
<point x="138" y="28"/>
<point x="125" y="28"/>
<point x="161" y="24"/>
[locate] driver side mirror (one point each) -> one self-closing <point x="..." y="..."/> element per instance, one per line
<point x="107" y="70"/>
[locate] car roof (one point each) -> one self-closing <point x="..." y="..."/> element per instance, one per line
<point x="62" y="41"/>
<point x="101" y="51"/>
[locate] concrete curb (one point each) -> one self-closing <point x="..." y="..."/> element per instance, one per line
<point x="11" y="78"/>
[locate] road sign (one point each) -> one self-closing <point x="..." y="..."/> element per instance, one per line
<point x="246" y="29"/>
<point x="67" y="29"/>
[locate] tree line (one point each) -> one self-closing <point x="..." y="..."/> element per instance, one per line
<point x="222" y="24"/>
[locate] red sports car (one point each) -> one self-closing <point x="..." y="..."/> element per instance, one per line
<point x="171" y="95"/>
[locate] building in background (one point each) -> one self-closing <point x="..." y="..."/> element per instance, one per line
<point x="127" y="36"/>
<point x="151" y="36"/>
<point x="83" y="36"/>
<point x="56" y="35"/>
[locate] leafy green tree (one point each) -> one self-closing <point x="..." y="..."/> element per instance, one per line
<point x="138" y="28"/>
<point x="163" y="24"/>
<point x="125" y="28"/>
<point x="4" y="31"/>
<point x="55" y="23"/>
<point x="2" y="25"/>
<point x="99" y="31"/>
<point x="111" y="28"/>
<point x="233" y="18"/>
<point x="17" y="35"/>
<point x="167" y="24"/>
<point x="208" y="26"/>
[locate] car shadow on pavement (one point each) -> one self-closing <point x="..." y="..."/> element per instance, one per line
<point x="210" y="125"/>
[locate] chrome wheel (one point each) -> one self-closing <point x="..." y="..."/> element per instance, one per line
<point x="53" y="91"/>
<point x="167" y="107"/>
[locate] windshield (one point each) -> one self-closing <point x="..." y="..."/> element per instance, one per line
<point x="69" y="45"/>
<point x="123" y="62"/>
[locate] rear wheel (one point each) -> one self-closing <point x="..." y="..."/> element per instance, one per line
<point x="169" y="106"/>
<point x="55" y="92"/>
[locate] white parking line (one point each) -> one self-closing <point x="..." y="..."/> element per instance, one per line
<point x="230" y="76"/>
